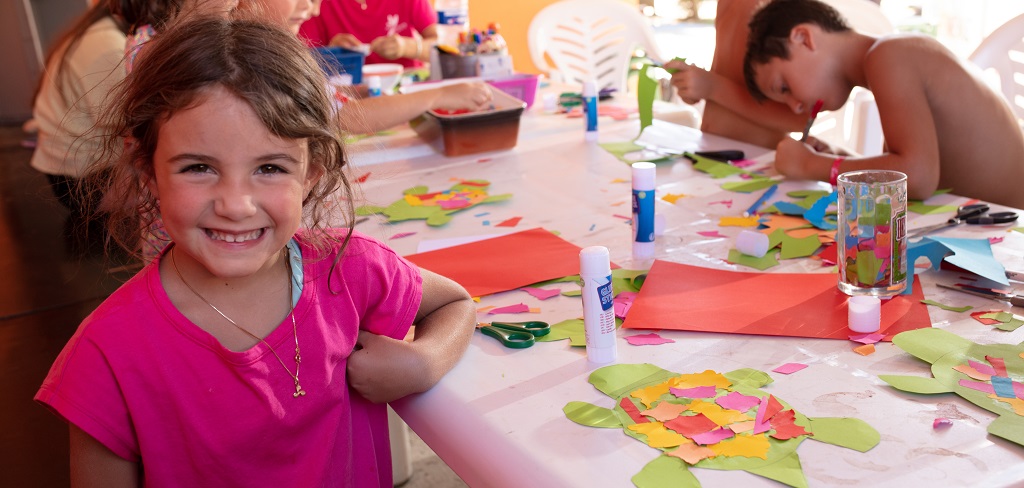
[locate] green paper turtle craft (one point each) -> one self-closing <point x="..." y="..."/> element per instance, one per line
<point x="418" y="203"/>
<point x="711" y="420"/>
<point x="988" y="376"/>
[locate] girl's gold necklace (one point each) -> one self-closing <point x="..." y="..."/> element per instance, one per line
<point x="298" y="357"/>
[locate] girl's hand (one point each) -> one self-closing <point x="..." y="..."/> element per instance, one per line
<point x="382" y="369"/>
<point x="472" y="96"/>
<point x="791" y="158"/>
<point x="390" y="47"/>
<point x="692" y="83"/>
<point x="347" y="41"/>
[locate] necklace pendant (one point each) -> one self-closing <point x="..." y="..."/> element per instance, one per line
<point x="298" y="391"/>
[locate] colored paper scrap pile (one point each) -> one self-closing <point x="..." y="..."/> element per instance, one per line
<point x="711" y="420"/>
<point x="504" y="263"/>
<point x="989" y="376"/>
<point x="1001" y="320"/>
<point x="682" y="297"/>
<point x="436" y="208"/>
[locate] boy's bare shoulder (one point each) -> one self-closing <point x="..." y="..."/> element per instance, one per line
<point x="901" y="45"/>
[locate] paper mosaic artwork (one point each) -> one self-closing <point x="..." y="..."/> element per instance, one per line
<point x="418" y="203"/>
<point x="989" y="376"/>
<point x="711" y="420"/>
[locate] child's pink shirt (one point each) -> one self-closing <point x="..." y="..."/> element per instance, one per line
<point x="393" y="17"/>
<point x="155" y="388"/>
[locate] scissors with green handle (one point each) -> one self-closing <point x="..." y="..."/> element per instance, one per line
<point x="516" y="335"/>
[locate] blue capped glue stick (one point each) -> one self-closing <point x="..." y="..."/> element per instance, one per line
<point x="590" y="109"/>
<point x="598" y="304"/>
<point x="643" y="210"/>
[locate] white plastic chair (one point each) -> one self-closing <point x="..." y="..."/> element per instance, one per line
<point x="589" y="39"/>
<point x="1002" y="53"/>
<point x="856" y="125"/>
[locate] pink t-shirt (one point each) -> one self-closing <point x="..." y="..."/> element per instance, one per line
<point x="155" y="388"/>
<point x="385" y="18"/>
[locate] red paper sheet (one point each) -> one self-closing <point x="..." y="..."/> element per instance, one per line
<point x="504" y="263"/>
<point x="681" y="297"/>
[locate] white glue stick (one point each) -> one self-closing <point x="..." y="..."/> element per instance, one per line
<point x="752" y="243"/>
<point x="590" y="109"/>
<point x="598" y="307"/>
<point x="373" y="85"/>
<point x="865" y="313"/>
<point x="643" y="210"/>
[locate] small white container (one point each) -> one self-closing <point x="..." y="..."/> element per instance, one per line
<point x="865" y="313"/>
<point x="752" y="243"/>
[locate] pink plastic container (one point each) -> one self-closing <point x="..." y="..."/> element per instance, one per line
<point x="521" y="86"/>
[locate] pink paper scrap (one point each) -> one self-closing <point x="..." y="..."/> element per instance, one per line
<point x="995" y="240"/>
<point x="941" y="422"/>
<point x="622" y="302"/>
<point x="651" y="339"/>
<point x="982" y="367"/>
<point x="789" y="368"/>
<point x="711" y="233"/>
<point x="977" y="385"/>
<point x="737" y="401"/>
<point x="727" y="203"/>
<point x="402" y="234"/>
<point x="542" y="293"/>
<point x="695" y="392"/>
<point x="713" y="437"/>
<point x="867" y="338"/>
<point x="518" y="308"/>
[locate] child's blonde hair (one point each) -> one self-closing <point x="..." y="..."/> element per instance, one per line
<point x="262" y="64"/>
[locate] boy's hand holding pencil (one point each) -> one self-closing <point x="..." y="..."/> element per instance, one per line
<point x="810" y="120"/>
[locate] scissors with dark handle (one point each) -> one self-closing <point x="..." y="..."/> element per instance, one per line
<point x="1014" y="299"/>
<point x="516" y="335"/>
<point x="976" y="214"/>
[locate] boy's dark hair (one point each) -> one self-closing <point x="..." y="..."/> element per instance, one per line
<point x="770" y="28"/>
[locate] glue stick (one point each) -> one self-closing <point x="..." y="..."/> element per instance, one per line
<point x="590" y="109"/>
<point x="643" y="210"/>
<point x="598" y="307"/>
<point x="373" y="85"/>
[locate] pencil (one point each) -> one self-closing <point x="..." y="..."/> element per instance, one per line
<point x="810" y="120"/>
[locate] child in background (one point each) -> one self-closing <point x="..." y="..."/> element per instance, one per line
<point x="399" y="31"/>
<point x="189" y="374"/>
<point x="729" y="109"/>
<point x="361" y="115"/>
<point x="943" y="127"/>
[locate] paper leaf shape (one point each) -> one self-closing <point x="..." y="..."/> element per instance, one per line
<point x="591" y="415"/>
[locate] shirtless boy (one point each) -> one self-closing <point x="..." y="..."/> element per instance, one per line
<point x="943" y="127"/>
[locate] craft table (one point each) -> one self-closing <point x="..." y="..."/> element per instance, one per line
<point x="497" y="418"/>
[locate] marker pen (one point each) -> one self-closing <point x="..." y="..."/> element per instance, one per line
<point x="373" y="85"/>
<point x="590" y="109"/>
<point x="643" y="210"/>
<point x="598" y="306"/>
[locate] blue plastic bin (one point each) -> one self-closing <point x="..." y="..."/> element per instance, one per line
<point x="336" y="60"/>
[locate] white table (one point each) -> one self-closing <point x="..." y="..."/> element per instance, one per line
<point x="497" y="418"/>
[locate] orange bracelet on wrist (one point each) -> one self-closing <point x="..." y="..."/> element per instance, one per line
<point x="833" y="174"/>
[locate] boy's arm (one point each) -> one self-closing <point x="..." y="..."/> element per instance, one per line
<point x="694" y="84"/>
<point x="383" y="369"/>
<point x="92" y="464"/>
<point x="369" y="115"/>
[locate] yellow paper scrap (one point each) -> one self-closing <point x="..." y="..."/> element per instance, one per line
<point x="743" y="445"/>
<point x="665" y="411"/>
<point x="691" y="453"/>
<point x="534" y="310"/>
<point x="648" y="395"/>
<point x="673" y="197"/>
<point x="717" y="414"/>
<point x="707" y="378"/>
<point x="620" y="180"/>
<point x="413" y="200"/>
<point x="1016" y="403"/>
<point x="658" y="435"/>
<point x="751" y="221"/>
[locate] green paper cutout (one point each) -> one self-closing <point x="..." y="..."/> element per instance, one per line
<point x="807" y="198"/>
<point x="755" y="262"/>
<point x="626" y="280"/>
<point x="716" y="169"/>
<point x="646" y="90"/>
<point x="945" y="350"/>
<point x="868" y="267"/>
<point x="630" y="152"/>
<point x="572" y="293"/>
<point x="472" y="192"/>
<point x="591" y="415"/>
<point x="621" y="381"/>
<point x="1007" y="321"/>
<point x="845" y="432"/>
<point x="793" y="247"/>
<point x="749" y="186"/>
<point x="947" y="307"/>
<point x="571" y="329"/>
<point x="915" y="384"/>
<point x="665" y="471"/>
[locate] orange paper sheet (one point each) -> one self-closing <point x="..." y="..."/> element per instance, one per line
<point x="504" y="263"/>
<point x="681" y="297"/>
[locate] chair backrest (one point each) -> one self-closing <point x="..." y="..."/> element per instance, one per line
<point x="1002" y="52"/>
<point x="589" y="39"/>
